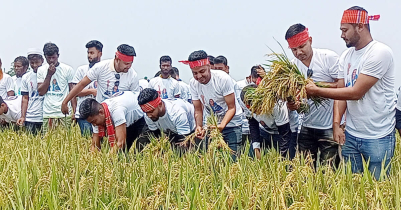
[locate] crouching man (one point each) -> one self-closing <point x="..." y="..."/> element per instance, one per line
<point x="10" y="109"/>
<point x="174" y="117"/>
<point x="119" y="117"/>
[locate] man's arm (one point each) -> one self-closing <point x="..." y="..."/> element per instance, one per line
<point x="73" y="101"/>
<point x="198" y="110"/>
<point x="362" y="85"/>
<point x="43" y="87"/>
<point x="230" y="101"/>
<point x="24" y="107"/>
<point x="73" y="93"/>
<point x="95" y="142"/>
<point x="121" y="135"/>
<point x="338" y="112"/>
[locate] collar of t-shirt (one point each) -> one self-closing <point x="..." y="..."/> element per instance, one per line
<point x="112" y="65"/>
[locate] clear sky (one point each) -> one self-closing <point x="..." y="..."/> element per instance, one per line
<point x="239" y="30"/>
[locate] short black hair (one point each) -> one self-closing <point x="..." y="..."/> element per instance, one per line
<point x="50" y="49"/>
<point x="176" y="71"/>
<point x="147" y="95"/>
<point x="294" y="30"/>
<point x="35" y="56"/>
<point x="173" y="72"/>
<point x="96" y="44"/>
<point x="89" y="107"/>
<point x="22" y="59"/>
<point x="254" y="70"/>
<point x="211" y="59"/>
<point x="243" y="92"/>
<point x="126" y="50"/>
<point x="197" y="55"/>
<point x="220" y="59"/>
<point x="360" y="9"/>
<point x="165" y="58"/>
<point x="158" y="73"/>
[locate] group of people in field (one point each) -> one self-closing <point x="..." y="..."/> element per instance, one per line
<point x="107" y="99"/>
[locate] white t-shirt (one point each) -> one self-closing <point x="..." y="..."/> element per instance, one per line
<point x="143" y="83"/>
<point x="107" y="82"/>
<point x="167" y="88"/>
<point x="324" y="65"/>
<point x="14" y="109"/>
<point x="185" y="92"/>
<point x="179" y="118"/>
<point x="373" y="116"/>
<point x="123" y="108"/>
<point x="6" y="84"/>
<point x="238" y="86"/>
<point x="79" y="75"/>
<point x="34" y="112"/>
<point x="58" y="89"/>
<point x="399" y="99"/>
<point x="17" y="85"/>
<point x="294" y="120"/>
<point x="270" y="122"/>
<point x="212" y="94"/>
<point x="243" y="83"/>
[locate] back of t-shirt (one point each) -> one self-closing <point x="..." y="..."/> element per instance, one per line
<point x="14" y="109"/>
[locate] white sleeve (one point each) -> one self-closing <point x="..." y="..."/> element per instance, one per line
<point x="118" y="116"/>
<point x="24" y="84"/>
<point x="256" y="145"/>
<point x="151" y="125"/>
<point x="227" y="85"/>
<point x="135" y="83"/>
<point x="41" y="75"/>
<point x="78" y="76"/>
<point x="93" y="73"/>
<point x="377" y="63"/>
<point x="177" y="89"/>
<point x="193" y="91"/>
<point x="280" y="114"/>
<point x="95" y="129"/>
<point x="9" y="84"/>
<point x="333" y="64"/>
<point x="182" y="124"/>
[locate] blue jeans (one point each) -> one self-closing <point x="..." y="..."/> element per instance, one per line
<point x="372" y="150"/>
<point x="85" y="126"/>
<point x="33" y="127"/>
<point x="233" y="137"/>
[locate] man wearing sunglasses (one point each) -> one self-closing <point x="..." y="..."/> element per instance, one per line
<point x="321" y="65"/>
<point x="112" y="76"/>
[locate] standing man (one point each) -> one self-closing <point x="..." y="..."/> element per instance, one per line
<point x="143" y="83"/>
<point x="32" y="102"/>
<point x="21" y="65"/>
<point x="322" y="66"/>
<point x="366" y="89"/>
<point x="6" y="84"/>
<point x="164" y="84"/>
<point x="114" y="75"/>
<point x="54" y="83"/>
<point x="213" y="91"/>
<point x="184" y="87"/>
<point x="120" y="118"/>
<point x="94" y="55"/>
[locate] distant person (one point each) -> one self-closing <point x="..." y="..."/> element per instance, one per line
<point x="119" y="118"/>
<point x="184" y="87"/>
<point x="211" y="61"/>
<point x="6" y="84"/>
<point x="166" y="86"/>
<point x="54" y="83"/>
<point x="143" y="83"/>
<point x="94" y="53"/>
<point x="32" y="102"/>
<point x="108" y="74"/>
<point x="21" y="65"/>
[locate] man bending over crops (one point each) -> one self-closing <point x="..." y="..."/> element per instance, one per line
<point x="112" y="76"/>
<point x="174" y="117"/>
<point x="10" y="109"/>
<point x="321" y="65"/>
<point x="32" y="102"/>
<point x="213" y="91"/>
<point x="54" y="83"/>
<point x="367" y="90"/>
<point x="119" y="117"/>
<point x="166" y="86"/>
<point x="269" y="129"/>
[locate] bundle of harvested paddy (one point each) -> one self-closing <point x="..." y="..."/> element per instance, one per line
<point x="283" y="82"/>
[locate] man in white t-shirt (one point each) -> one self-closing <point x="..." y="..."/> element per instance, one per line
<point x="10" y="109"/>
<point x="266" y="130"/>
<point x="164" y="84"/>
<point x="184" y="87"/>
<point x="213" y="91"/>
<point x="94" y="55"/>
<point x="174" y="117"/>
<point x="367" y="90"/>
<point x="251" y="79"/>
<point x="321" y="65"/>
<point x="54" y="83"/>
<point x="32" y="102"/>
<point x="119" y="118"/>
<point x="143" y="83"/>
<point x="112" y="76"/>
<point x="21" y="65"/>
<point x="6" y="84"/>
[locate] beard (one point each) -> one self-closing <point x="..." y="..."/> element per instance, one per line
<point x="353" y="40"/>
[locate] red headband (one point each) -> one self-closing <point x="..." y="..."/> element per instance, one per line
<point x="358" y="16"/>
<point x="193" y="64"/>
<point x="298" y="39"/>
<point x="125" y="58"/>
<point x="150" y="106"/>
